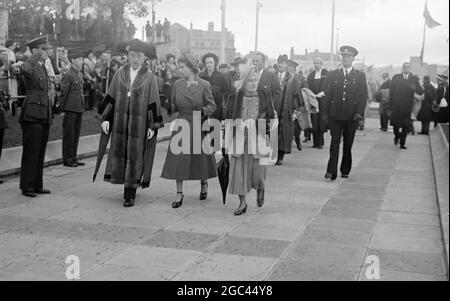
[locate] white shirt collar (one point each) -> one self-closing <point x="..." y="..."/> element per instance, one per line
<point x="318" y="74"/>
<point x="349" y="70"/>
<point x="133" y="75"/>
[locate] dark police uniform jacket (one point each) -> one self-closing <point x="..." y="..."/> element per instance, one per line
<point x="72" y="99"/>
<point x="37" y="107"/>
<point x="345" y="98"/>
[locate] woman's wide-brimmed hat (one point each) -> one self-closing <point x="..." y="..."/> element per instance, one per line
<point x="136" y="45"/>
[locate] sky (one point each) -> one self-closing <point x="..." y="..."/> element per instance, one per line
<point x="386" y="32"/>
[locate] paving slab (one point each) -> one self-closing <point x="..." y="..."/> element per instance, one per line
<point x="309" y="228"/>
<point x="234" y="267"/>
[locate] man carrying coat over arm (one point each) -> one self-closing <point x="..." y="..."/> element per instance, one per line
<point x="344" y="105"/>
<point x="132" y="118"/>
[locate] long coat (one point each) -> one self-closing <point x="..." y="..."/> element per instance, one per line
<point x="131" y="155"/>
<point x="185" y="101"/>
<point x="291" y="100"/>
<point x="383" y="97"/>
<point x="426" y="114"/>
<point x="317" y="86"/>
<point x="443" y="115"/>
<point x="270" y="86"/>
<point x="234" y="111"/>
<point x="402" y="99"/>
<point x="344" y="100"/>
<point x="220" y="90"/>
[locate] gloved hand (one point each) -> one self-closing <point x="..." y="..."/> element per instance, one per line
<point x="320" y="95"/>
<point x="358" y="117"/>
<point x="105" y="127"/>
<point x="150" y="134"/>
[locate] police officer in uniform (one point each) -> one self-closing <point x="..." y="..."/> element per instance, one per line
<point x="344" y="105"/>
<point x="36" y="117"/>
<point x="73" y="104"/>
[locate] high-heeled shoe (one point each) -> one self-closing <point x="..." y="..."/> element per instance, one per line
<point x="241" y="211"/>
<point x="261" y="200"/>
<point x="204" y="195"/>
<point x="176" y="205"/>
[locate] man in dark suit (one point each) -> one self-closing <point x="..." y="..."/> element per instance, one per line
<point x="344" y="105"/>
<point x="36" y="117"/>
<point x="291" y="100"/>
<point x="219" y="83"/>
<point x="317" y="83"/>
<point x="73" y="104"/>
<point x="403" y="87"/>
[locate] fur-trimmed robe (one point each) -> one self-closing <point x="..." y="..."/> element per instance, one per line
<point x="131" y="155"/>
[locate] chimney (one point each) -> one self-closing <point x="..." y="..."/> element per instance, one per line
<point x="211" y="26"/>
<point x="292" y="53"/>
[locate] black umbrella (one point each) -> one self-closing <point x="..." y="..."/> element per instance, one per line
<point x="104" y="140"/>
<point x="105" y="108"/>
<point x="223" y="170"/>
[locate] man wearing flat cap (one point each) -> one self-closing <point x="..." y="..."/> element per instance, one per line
<point x="73" y="105"/>
<point x="132" y="117"/>
<point x="401" y="101"/>
<point x="344" y="105"/>
<point x="290" y="101"/>
<point x="36" y="117"/>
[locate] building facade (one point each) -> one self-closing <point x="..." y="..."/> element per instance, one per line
<point x="201" y="42"/>
<point x="306" y="61"/>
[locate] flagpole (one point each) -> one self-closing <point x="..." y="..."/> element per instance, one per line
<point x="422" y="55"/>
<point x="223" y="58"/>
<point x="333" y="13"/>
<point x="258" y="5"/>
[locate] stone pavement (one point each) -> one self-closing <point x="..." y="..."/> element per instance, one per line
<point x="309" y="229"/>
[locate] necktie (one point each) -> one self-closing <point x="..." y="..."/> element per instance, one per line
<point x="346" y="73"/>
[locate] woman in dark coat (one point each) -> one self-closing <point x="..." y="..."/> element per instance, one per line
<point x="426" y="115"/>
<point x="191" y="95"/>
<point x="218" y="81"/>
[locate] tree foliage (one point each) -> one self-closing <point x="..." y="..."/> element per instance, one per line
<point x="119" y="10"/>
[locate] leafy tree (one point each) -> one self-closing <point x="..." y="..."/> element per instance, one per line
<point x="119" y="10"/>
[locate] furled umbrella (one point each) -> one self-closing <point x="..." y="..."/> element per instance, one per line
<point x="223" y="170"/>
<point x="105" y="108"/>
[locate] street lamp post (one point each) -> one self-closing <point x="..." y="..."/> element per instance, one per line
<point x="258" y="7"/>
<point x="224" y="34"/>
<point x="333" y="12"/>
